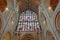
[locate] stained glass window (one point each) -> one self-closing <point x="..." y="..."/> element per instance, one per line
<point x="28" y="21"/>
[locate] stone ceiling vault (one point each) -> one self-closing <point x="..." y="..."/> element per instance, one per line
<point x="54" y="3"/>
<point x="28" y="4"/>
<point x="3" y="4"/>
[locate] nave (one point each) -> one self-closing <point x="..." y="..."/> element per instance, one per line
<point x="29" y="19"/>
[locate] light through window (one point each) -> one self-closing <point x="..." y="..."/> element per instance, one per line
<point x="28" y="21"/>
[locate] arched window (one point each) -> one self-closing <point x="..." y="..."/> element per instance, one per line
<point x="28" y="21"/>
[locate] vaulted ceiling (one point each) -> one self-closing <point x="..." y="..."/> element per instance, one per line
<point x="28" y="4"/>
<point x="33" y="4"/>
<point x="3" y="4"/>
<point x="54" y="3"/>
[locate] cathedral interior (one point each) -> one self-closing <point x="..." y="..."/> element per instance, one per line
<point x="29" y="19"/>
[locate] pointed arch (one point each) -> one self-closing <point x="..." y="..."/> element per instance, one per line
<point x="57" y="21"/>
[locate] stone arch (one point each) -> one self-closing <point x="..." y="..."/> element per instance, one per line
<point x="57" y="21"/>
<point x="49" y="36"/>
<point x="27" y="37"/>
<point x="7" y="36"/>
<point x="3" y="4"/>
